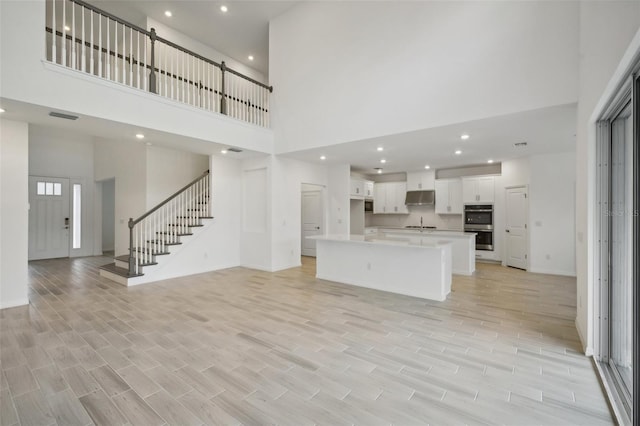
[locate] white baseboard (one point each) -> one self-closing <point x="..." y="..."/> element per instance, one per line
<point x="553" y="272"/>
<point x="14" y="303"/>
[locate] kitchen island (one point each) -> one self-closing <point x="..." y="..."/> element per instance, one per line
<point x="463" y="249"/>
<point x="397" y="265"/>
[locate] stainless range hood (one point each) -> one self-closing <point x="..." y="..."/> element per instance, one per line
<point x="420" y="198"/>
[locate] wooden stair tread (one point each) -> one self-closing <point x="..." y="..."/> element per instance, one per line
<point x="152" y="252"/>
<point x="125" y="258"/>
<point x="123" y="272"/>
<point x="166" y="243"/>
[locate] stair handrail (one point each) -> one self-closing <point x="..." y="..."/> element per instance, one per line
<point x="133" y="222"/>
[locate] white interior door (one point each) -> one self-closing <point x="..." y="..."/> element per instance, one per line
<point x="49" y="219"/>
<point x="312" y="220"/>
<point x="516" y="227"/>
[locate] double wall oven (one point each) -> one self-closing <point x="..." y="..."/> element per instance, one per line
<point x="478" y="218"/>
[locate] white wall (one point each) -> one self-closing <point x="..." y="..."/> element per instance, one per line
<point x="58" y="88"/>
<point x="216" y="245"/>
<point x="108" y="217"/>
<point x="168" y="170"/>
<point x="124" y="160"/>
<point x="256" y="199"/>
<point x="56" y="152"/>
<point x="552" y="214"/>
<point x="338" y="188"/>
<point x="389" y="67"/>
<point x="606" y="29"/>
<point x="14" y="213"/>
<point x="288" y="177"/>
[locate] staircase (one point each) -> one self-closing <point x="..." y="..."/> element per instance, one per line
<point x="154" y="233"/>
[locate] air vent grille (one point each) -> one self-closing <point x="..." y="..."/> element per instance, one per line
<point x="62" y="115"/>
<point x="520" y="144"/>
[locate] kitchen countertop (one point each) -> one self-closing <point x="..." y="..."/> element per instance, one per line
<point x="382" y="240"/>
<point x="439" y="232"/>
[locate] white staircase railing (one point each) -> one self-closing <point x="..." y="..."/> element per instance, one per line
<point x="162" y="226"/>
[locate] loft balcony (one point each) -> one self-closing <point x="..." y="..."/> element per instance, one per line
<point x="83" y="38"/>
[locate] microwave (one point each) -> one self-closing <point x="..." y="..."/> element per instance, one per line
<point x="368" y="206"/>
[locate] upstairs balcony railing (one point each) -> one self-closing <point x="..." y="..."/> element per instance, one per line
<point x="85" y="38"/>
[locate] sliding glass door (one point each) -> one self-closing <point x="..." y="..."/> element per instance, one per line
<point x="621" y="251"/>
<point x="618" y="191"/>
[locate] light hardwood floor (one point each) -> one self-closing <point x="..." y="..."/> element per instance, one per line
<point x="241" y="346"/>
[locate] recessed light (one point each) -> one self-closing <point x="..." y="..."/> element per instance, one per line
<point x="383" y="161"/>
<point x="67" y="28"/>
<point x="139" y="136"/>
<point x="427" y="167"/>
<point x="224" y="151"/>
<point x="168" y="13"/>
<point x="458" y="152"/>
<point x="224" y="8"/>
<point x="379" y="171"/>
<point x="489" y="161"/>
<point x="251" y="57"/>
<point x="1" y="110"/>
<point x="322" y="157"/>
<point x="464" y="137"/>
<point x="380" y="149"/>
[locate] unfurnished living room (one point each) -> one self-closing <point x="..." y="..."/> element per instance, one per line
<point x="340" y="212"/>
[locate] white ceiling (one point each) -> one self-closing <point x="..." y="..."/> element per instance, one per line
<point x="547" y="130"/>
<point x="238" y="33"/>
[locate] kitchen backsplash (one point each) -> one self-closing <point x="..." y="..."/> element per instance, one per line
<point x="429" y="218"/>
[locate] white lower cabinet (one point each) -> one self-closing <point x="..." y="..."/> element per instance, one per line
<point x="389" y="198"/>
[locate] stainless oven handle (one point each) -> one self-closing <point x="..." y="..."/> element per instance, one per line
<point x="478" y="227"/>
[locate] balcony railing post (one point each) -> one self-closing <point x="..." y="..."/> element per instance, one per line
<point x="152" y="74"/>
<point x="223" y="99"/>
<point x="132" y="260"/>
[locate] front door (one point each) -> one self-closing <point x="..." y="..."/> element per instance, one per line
<point x="516" y="227"/>
<point x="49" y="219"/>
<point x="312" y="219"/>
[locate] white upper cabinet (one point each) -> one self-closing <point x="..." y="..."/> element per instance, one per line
<point x="448" y="196"/>
<point x="418" y="181"/>
<point x="368" y="189"/>
<point x="357" y="188"/>
<point x="478" y="189"/>
<point x="389" y="198"/>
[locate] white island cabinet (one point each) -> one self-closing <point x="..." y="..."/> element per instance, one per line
<point x="463" y="245"/>
<point x="397" y="265"/>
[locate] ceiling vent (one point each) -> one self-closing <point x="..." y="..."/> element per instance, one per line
<point x="234" y="149"/>
<point x="520" y="144"/>
<point x="61" y="115"/>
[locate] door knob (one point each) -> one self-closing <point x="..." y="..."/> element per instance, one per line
<point x="317" y="227"/>
<point x="506" y="230"/>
